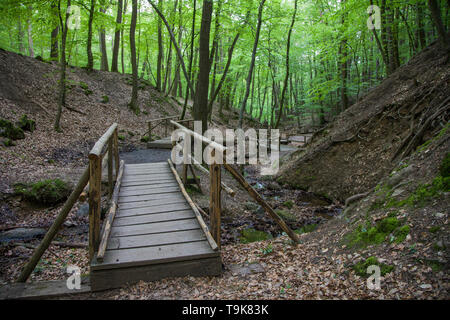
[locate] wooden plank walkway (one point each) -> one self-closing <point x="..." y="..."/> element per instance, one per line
<point x="155" y="233"/>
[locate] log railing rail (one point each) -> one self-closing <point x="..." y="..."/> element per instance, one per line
<point x="216" y="186"/>
<point x="89" y="177"/>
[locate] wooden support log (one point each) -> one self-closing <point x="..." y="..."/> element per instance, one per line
<point x="215" y="204"/>
<point x="111" y="214"/>
<point x="255" y="195"/>
<point x="202" y="223"/>
<point x="51" y="233"/>
<point x="95" y="194"/>
<point x="116" y="151"/>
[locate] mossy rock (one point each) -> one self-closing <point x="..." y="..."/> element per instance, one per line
<point x="252" y="235"/>
<point x="288" y="204"/>
<point x="8" y="130"/>
<point x="26" y="124"/>
<point x="307" y="228"/>
<point x="47" y="192"/>
<point x="361" y="267"/>
<point x="286" y="215"/>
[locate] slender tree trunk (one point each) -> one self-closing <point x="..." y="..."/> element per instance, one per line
<point x="252" y="63"/>
<point x="104" y="54"/>
<point x="122" y="42"/>
<point x="160" y="52"/>
<point x="30" y="31"/>
<point x="134" y="94"/>
<point x="54" y="35"/>
<point x="437" y="20"/>
<point x="115" y="54"/>
<point x="286" y="78"/>
<point x="191" y="58"/>
<point x="90" y="57"/>
<point x="200" y="109"/>
<point x="62" y="80"/>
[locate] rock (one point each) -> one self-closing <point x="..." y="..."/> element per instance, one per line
<point x="273" y="186"/>
<point x="83" y="210"/>
<point x="440" y="215"/>
<point x="425" y="286"/>
<point x="397" y="192"/>
<point x="22" y="234"/>
<point x="251" y="206"/>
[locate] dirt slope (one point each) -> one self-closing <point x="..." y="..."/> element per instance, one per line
<point x="351" y="154"/>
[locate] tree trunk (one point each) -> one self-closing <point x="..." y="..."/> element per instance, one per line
<point x="437" y="20"/>
<point x="90" y="65"/>
<point x="286" y="78"/>
<point x="200" y="109"/>
<point x="191" y="58"/>
<point x="252" y="63"/>
<point x="115" y="54"/>
<point x="54" y="35"/>
<point x="160" y="52"/>
<point x="123" y="40"/>
<point x="134" y="94"/>
<point x="30" y="31"/>
<point x="62" y="80"/>
<point x="104" y="54"/>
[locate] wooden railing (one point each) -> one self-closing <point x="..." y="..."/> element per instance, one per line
<point x="91" y="178"/>
<point x="154" y="123"/>
<point x="96" y="156"/>
<point x="216" y="186"/>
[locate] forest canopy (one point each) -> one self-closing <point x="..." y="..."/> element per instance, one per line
<point x="298" y="60"/>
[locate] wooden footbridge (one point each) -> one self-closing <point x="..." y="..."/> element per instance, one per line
<point x="153" y="229"/>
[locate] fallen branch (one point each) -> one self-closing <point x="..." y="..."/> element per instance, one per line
<point x="355" y="197"/>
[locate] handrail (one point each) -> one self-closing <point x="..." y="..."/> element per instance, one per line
<point x="195" y="135"/>
<point x="98" y="147"/>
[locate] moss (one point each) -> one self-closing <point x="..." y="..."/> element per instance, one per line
<point x="83" y="85"/>
<point x="369" y="234"/>
<point x="121" y="137"/>
<point x="26" y="124"/>
<point x="252" y="235"/>
<point x="105" y="99"/>
<point x="434" y="229"/>
<point x="145" y="139"/>
<point x="288" y="204"/>
<point x="438" y="136"/>
<point x="307" y="228"/>
<point x="445" y="166"/>
<point x="401" y="233"/>
<point x="48" y="192"/>
<point x="360" y="268"/>
<point x="286" y="215"/>
<point x="8" y="130"/>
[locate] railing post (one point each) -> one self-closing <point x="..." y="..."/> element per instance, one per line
<point x="95" y="181"/>
<point x="110" y="167"/>
<point x="184" y="174"/>
<point x="215" y="200"/>
<point x="150" y="131"/>
<point x="116" y="151"/>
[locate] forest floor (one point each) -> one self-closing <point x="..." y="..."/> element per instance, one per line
<point x="320" y="267"/>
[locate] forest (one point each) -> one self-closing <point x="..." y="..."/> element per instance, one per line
<point x="300" y="61"/>
<point x="98" y="97"/>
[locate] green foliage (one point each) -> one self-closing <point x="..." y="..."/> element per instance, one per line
<point x="369" y="234"/>
<point x="145" y="139"/>
<point x="8" y="130"/>
<point x="105" y="99"/>
<point x="26" y="124"/>
<point x="121" y="137"/>
<point x="252" y="235"/>
<point x="360" y="268"/>
<point x="267" y="249"/>
<point x="47" y="192"/>
<point x="288" y="204"/>
<point x="445" y="166"/>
